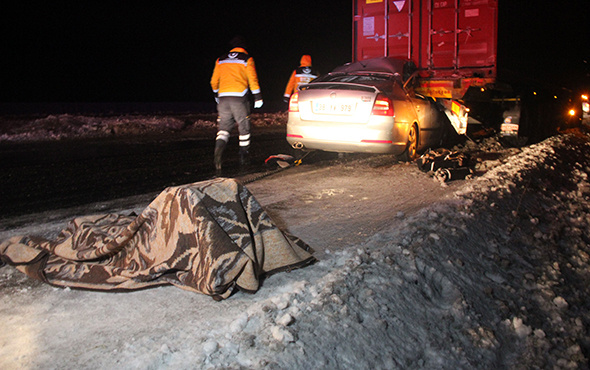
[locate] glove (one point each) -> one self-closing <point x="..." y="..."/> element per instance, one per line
<point x="285" y="99"/>
<point x="258" y="104"/>
<point x="217" y="100"/>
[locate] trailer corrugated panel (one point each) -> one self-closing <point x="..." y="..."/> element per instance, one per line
<point x="448" y="38"/>
<point x="371" y="31"/>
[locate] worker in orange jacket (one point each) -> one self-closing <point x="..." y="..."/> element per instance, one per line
<point x="233" y="76"/>
<point x="301" y="75"/>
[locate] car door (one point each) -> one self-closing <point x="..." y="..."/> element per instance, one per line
<point x="429" y="122"/>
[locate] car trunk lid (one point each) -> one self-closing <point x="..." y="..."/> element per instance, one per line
<point x="334" y="103"/>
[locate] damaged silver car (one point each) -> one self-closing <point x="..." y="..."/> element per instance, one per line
<point x="368" y="106"/>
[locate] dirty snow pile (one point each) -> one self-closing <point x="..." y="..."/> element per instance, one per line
<point x="496" y="278"/>
<point x="71" y="126"/>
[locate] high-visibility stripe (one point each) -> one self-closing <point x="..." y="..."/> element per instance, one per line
<point x="244" y="140"/>
<point x="222" y="135"/>
<point x="236" y="61"/>
<point x="233" y="93"/>
<point x="305" y="75"/>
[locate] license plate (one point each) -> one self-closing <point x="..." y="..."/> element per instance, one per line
<point x="509" y="129"/>
<point x="322" y="107"/>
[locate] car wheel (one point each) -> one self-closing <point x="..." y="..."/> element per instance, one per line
<point x="411" y="152"/>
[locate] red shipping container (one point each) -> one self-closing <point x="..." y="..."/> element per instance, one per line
<point x="446" y="38"/>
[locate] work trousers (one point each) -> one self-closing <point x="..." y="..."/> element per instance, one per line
<point x="234" y="110"/>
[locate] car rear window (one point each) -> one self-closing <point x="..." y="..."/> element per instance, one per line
<point x="352" y="78"/>
<point x="337" y="86"/>
<point x="384" y="83"/>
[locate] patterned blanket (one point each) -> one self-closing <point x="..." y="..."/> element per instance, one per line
<point x="209" y="237"/>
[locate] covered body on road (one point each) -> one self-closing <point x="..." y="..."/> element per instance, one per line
<point x="210" y="237"/>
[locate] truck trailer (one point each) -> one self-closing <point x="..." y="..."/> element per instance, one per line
<point x="454" y="45"/>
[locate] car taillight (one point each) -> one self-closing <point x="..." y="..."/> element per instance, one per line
<point x="294" y="103"/>
<point x="382" y="106"/>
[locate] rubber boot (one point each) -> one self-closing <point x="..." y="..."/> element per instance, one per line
<point x="244" y="156"/>
<point x="217" y="156"/>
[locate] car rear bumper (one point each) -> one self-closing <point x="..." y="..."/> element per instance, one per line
<point x="346" y="147"/>
<point x="378" y="136"/>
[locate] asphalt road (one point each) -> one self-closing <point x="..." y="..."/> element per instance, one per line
<point x="43" y="176"/>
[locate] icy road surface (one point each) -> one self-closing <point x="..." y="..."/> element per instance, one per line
<point x="491" y="272"/>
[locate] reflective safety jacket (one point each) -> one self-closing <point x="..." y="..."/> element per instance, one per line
<point x="234" y="74"/>
<point x="302" y="75"/>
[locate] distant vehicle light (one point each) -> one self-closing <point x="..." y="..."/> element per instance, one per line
<point x="509" y="129"/>
<point x="382" y="106"/>
<point x="572" y="112"/>
<point x="294" y="103"/>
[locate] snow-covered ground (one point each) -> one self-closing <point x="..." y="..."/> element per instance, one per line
<point x="72" y="126"/>
<point x="489" y="272"/>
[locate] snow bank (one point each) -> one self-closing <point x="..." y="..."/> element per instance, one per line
<point x="496" y="278"/>
<point x="67" y="126"/>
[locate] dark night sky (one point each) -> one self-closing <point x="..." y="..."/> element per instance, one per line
<point x="160" y="50"/>
<point x="127" y="50"/>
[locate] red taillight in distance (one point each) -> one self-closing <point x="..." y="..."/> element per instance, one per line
<point x="382" y="106"/>
<point x="294" y="103"/>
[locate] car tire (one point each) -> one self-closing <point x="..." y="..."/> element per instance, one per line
<point x="411" y="152"/>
